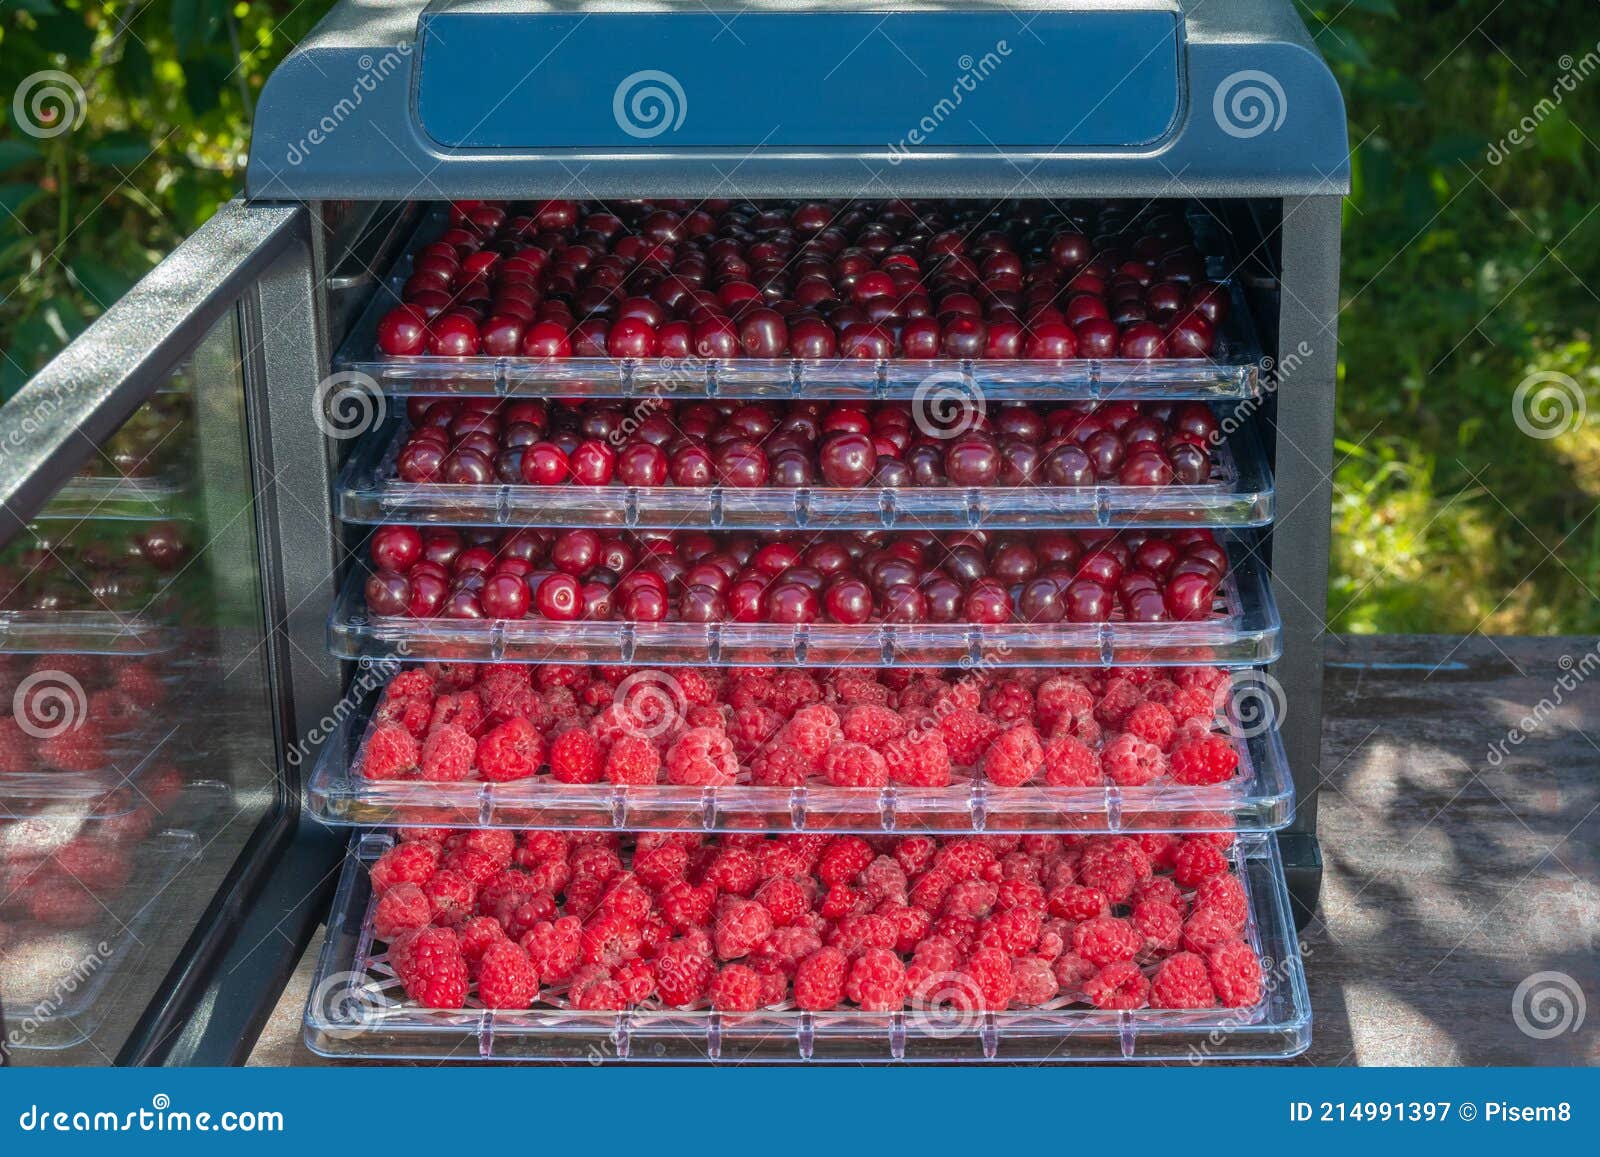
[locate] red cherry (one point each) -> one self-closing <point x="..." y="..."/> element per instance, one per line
<point x="742" y="463"/>
<point x="453" y="335"/>
<point x="560" y="598"/>
<point x="1142" y="339"/>
<point x="544" y="464"/>
<point x="505" y="596"/>
<point x="396" y="548"/>
<point x="1087" y="601"/>
<point x="1188" y="597"/>
<point x="987" y="601"/>
<point x="1097" y="338"/>
<point x="403" y="332"/>
<point x="388" y="593"/>
<point x="847" y="459"/>
<point x="546" y="339"/>
<point x="790" y="602"/>
<point x="576" y="552"/>
<point x="1051" y="341"/>
<point x="848" y="600"/>
<point x="593" y="463"/>
<point x="702" y="604"/>
<point x="428" y="594"/>
<point x="745" y="600"/>
<point x="692" y="465"/>
<point x="641" y="464"/>
<point x="1145" y="469"/>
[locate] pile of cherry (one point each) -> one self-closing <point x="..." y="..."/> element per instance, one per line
<point x="945" y="928"/>
<point x="849" y="578"/>
<point x="863" y="280"/>
<point x="478" y="441"/>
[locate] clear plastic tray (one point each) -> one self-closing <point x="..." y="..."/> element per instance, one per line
<point x="1239" y="493"/>
<point x="64" y="1011"/>
<point x="1233" y="372"/>
<point x="358" y="1009"/>
<point x="85" y="497"/>
<point x="1259" y="798"/>
<point x="1244" y="632"/>
<point x="85" y="632"/>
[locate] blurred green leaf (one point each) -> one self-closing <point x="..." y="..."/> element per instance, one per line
<point x="14" y="153"/>
<point x="124" y="150"/>
<point x="195" y="22"/>
<point x="103" y="283"/>
<point x="66" y="32"/>
<point x="14" y="197"/>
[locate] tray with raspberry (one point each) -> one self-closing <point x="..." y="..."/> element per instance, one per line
<point x="760" y="465"/>
<point x="810" y="299"/>
<point x="75" y="910"/>
<point x="539" y="945"/>
<point x="841" y="598"/>
<point x="866" y="750"/>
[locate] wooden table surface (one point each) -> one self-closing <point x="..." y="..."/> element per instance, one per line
<point x="1460" y="861"/>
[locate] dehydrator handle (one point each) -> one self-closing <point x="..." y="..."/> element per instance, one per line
<point x="52" y="426"/>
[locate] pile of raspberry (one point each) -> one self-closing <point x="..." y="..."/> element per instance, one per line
<point x="849" y="727"/>
<point x="814" y="922"/>
<point x="71" y="712"/>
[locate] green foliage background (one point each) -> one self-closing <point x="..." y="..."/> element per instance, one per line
<point x="1461" y="276"/>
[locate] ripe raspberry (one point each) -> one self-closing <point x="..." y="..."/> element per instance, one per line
<point x="685" y="905"/>
<point x="735" y="871"/>
<point x="431" y="967"/>
<point x="849" y="764"/>
<point x="1035" y="982"/>
<point x="575" y="757"/>
<point x="79" y="748"/>
<point x="1132" y="762"/>
<point x="937" y="954"/>
<point x="929" y="889"/>
<point x="697" y="689"/>
<point x="843" y="859"/>
<point x="628" y="898"/>
<point x="1078" y="902"/>
<point x="819" y="980"/>
<point x="920" y="759"/>
<point x="1116" y="865"/>
<point x="391" y="753"/>
<point x="506" y="977"/>
<point x="1072" y="971"/>
<point x="856" y="932"/>
<point x="1161" y="890"/>
<point x="1010" y="701"/>
<point x="593" y="990"/>
<point x="1014" y="757"/>
<point x="414" y="681"/>
<point x="967" y="735"/>
<point x="462" y="709"/>
<point x="496" y="843"/>
<point x="1208" y="927"/>
<point x="780" y="765"/>
<point x="659" y="866"/>
<point x="636" y="978"/>
<point x="1197" y="860"/>
<point x="1152" y="723"/>
<point x="989" y="971"/>
<point x="1160" y="924"/>
<point x="910" y="924"/>
<point x="812" y="731"/>
<point x="683" y="973"/>
<point x="784" y="899"/>
<point x="405" y="863"/>
<point x="402" y="908"/>
<point x="793" y="689"/>
<point x="1118" y="699"/>
<point x="885" y="879"/>
<point x="479" y="867"/>
<point x="1020" y="893"/>
<point x="703" y="757"/>
<point x="754" y="727"/>
<point x="1014" y="931"/>
<point x="1058" y="698"/>
<point x="871" y="724"/>
<point x="1118" y="986"/>
<point x="782" y="858"/>
<point x="1071" y="763"/>
<point x="1235" y="974"/>
<point x="961" y="930"/>
<point x="1206" y="760"/>
<point x="915" y="853"/>
<point x="452" y="896"/>
<point x="739" y="928"/>
<point x="631" y="760"/>
<point x="1182" y="981"/>
<point x="841" y="901"/>
<point x="513" y="750"/>
<point x="1225" y="894"/>
<point x="877" y="981"/>
<point x="595" y="861"/>
<point x="477" y="936"/>
<point x="966" y="858"/>
<point x="785" y="949"/>
<point x="1106" y="939"/>
<point x="970" y="899"/>
<point x="737" y="988"/>
<point x="554" y="948"/>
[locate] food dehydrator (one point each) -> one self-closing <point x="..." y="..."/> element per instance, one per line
<point x="888" y="371"/>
